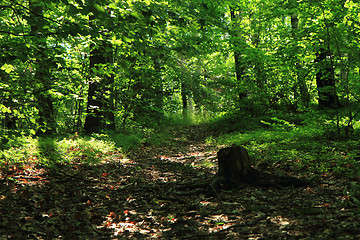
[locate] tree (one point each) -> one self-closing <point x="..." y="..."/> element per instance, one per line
<point x="300" y="82"/>
<point x="100" y="107"/>
<point x="68" y="62"/>
<point x="325" y="80"/>
<point x="236" y="39"/>
<point x="41" y="65"/>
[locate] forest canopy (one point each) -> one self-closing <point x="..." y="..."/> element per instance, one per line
<point x="90" y="65"/>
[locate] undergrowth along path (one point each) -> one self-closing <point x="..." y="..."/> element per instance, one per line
<point x="133" y="197"/>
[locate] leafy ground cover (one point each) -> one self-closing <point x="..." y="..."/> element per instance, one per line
<point x="99" y="192"/>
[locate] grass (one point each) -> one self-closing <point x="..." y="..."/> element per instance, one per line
<point x="306" y="147"/>
<point x="301" y="143"/>
<point x="190" y="118"/>
<point x="48" y="151"/>
<point x="75" y="148"/>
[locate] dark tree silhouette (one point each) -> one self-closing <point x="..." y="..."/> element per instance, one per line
<point x="325" y="80"/>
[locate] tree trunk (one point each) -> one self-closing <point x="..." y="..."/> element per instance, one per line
<point x="239" y="66"/>
<point x="234" y="167"/>
<point x="325" y="80"/>
<point x="46" y="121"/>
<point x="301" y="82"/>
<point x="100" y="105"/>
<point x="184" y="99"/>
<point x="159" y="100"/>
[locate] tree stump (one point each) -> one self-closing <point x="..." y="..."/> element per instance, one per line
<point x="235" y="169"/>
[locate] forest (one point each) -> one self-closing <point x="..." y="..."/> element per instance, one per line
<point x="115" y="116"/>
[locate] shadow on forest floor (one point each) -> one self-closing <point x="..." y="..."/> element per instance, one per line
<point x="133" y="197"/>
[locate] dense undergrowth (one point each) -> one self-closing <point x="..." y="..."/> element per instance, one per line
<point x="72" y="148"/>
<point x="305" y="143"/>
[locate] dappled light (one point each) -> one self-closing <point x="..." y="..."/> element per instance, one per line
<point x="136" y="196"/>
<point x="179" y="119"/>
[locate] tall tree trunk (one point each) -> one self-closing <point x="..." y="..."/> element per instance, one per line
<point x="239" y="67"/>
<point x="300" y="82"/>
<point x="159" y="101"/>
<point x="184" y="98"/>
<point x="258" y="64"/>
<point x="100" y="106"/>
<point x="325" y="80"/>
<point x="46" y="121"/>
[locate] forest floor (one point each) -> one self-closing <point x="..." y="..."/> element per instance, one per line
<point x="137" y="196"/>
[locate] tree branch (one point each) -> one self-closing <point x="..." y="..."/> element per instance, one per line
<point x="5" y="6"/>
<point x="37" y="14"/>
<point x="29" y="35"/>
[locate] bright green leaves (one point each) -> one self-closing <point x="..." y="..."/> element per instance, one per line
<point x="4" y="109"/>
<point x="156" y="46"/>
<point x="99" y="9"/>
<point x="8" y="68"/>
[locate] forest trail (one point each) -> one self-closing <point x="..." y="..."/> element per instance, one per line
<point x="134" y="197"/>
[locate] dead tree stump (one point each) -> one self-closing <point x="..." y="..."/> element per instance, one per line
<point x="235" y="169"/>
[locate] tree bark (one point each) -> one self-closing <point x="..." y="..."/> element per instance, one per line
<point x="301" y="82"/>
<point x="46" y="121"/>
<point x="325" y="80"/>
<point x="100" y="105"/>
<point x="184" y="99"/>
<point x="239" y="66"/>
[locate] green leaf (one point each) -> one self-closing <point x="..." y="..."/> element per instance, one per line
<point x="4" y="109"/>
<point x="8" y="68"/>
<point x="99" y="8"/>
<point x="11" y="179"/>
<point x="79" y="2"/>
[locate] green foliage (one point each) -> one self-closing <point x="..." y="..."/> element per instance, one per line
<point x="138" y="65"/>
<point x="351" y="196"/>
<point x="279" y="124"/>
<point x="190" y="118"/>
<point x="305" y="146"/>
<point x="74" y="148"/>
<point x="121" y="140"/>
<point x="50" y="151"/>
<point x="160" y="52"/>
<point x="227" y="123"/>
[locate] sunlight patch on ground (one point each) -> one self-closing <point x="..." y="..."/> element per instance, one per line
<point x="279" y="220"/>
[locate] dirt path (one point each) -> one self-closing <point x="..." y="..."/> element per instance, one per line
<point x="134" y="197"/>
